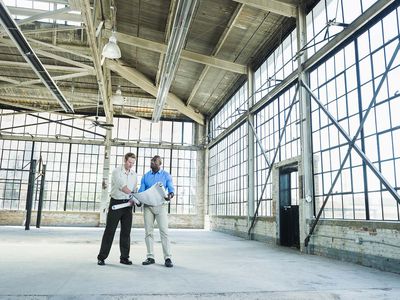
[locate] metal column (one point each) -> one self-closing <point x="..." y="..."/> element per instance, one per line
<point x="41" y="195"/>
<point x="29" y="196"/>
<point x="250" y="150"/>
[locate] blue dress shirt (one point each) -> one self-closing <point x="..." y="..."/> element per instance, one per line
<point x="150" y="178"/>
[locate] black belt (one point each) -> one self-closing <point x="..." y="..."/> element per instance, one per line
<point x="125" y="200"/>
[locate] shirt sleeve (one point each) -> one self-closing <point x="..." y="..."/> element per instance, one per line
<point x="142" y="185"/>
<point x="117" y="180"/>
<point x="135" y="189"/>
<point x="169" y="185"/>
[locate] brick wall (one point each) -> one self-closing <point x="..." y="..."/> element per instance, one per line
<point x="368" y="243"/>
<point x="91" y="219"/>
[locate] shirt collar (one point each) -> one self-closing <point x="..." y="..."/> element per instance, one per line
<point x="158" y="172"/>
<point x="124" y="170"/>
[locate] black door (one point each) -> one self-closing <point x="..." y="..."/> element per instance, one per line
<point x="289" y="208"/>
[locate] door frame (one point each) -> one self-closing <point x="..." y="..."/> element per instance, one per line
<point x="294" y="162"/>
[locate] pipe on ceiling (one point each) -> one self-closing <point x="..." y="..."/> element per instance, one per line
<point x="183" y="17"/>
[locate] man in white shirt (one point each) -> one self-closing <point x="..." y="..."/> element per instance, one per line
<point x="123" y="184"/>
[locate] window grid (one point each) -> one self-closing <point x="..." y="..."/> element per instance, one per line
<point x="181" y="164"/>
<point x="228" y="175"/>
<point x="269" y="124"/>
<point x="279" y="65"/>
<point x="345" y="84"/>
<point x="230" y="112"/>
<point x="125" y="129"/>
<point x="80" y="189"/>
<point x="341" y="11"/>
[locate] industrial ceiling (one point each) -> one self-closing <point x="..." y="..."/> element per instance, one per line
<point x="219" y="43"/>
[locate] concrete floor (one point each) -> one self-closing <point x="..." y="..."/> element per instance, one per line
<point x="60" y="263"/>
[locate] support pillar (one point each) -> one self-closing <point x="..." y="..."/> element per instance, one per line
<point x="201" y="173"/>
<point x="250" y="149"/>
<point x="307" y="197"/>
<point x="105" y="197"/>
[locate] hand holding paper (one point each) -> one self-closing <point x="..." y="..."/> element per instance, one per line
<point x="153" y="196"/>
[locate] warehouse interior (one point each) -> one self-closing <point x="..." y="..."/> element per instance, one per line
<point x="279" y="122"/>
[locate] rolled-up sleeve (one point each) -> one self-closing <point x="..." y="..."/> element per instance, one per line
<point x="169" y="184"/>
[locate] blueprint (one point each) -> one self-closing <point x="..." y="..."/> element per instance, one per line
<point x="153" y="196"/>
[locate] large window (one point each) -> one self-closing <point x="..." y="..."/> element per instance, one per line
<point x="278" y="66"/>
<point x="230" y="112"/>
<point x="14" y="172"/>
<point x="74" y="171"/>
<point x="181" y="164"/>
<point x="346" y="84"/>
<point x="338" y="14"/>
<point x="269" y="125"/>
<point x="228" y="175"/>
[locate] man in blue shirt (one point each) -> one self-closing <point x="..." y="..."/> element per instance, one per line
<point x="158" y="213"/>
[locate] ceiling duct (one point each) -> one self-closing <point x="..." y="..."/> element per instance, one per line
<point x="27" y="52"/>
<point x="183" y="17"/>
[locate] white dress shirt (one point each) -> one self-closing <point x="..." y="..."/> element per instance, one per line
<point x="120" y="178"/>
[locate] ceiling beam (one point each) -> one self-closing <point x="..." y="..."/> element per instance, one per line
<point x="21" y="11"/>
<point x="45" y="30"/>
<point x="218" y="47"/>
<point x="187" y="55"/>
<point x="143" y="82"/>
<point x="61" y="49"/>
<point x="87" y="19"/>
<point x="57" y="29"/>
<point x="44" y="15"/>
<point x="274" y="6"/>
<point x="9" y="80"/>
<point x="56" y="78"/>
<point x="48" y="67"/>
<point x="51" y="55"/>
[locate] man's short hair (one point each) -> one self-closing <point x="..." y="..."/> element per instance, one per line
<point x="157" y="157"/>
<point x="129" y="155"/>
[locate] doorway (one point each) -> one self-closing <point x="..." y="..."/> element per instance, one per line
<point x="289" y="234"/>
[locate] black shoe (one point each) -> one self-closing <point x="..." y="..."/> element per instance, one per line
<point x="101" y="262"/>
<point x="125" y="261"/>
<point x="168" y="263"/>
<point x="148" y="261"/>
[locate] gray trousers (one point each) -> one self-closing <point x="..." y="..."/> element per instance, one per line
<point x="158" y="213"/>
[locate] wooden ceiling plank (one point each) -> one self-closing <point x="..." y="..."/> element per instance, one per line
<point x="218" y="47"/>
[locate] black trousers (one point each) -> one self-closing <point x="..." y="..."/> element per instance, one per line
<point x="123" y="215"/>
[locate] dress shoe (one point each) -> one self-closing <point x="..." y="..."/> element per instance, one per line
<point x="101" y="262"/>
<point x="148" y="261"/>
<point x="168" y="263"/>
<point x="125" y="261"/>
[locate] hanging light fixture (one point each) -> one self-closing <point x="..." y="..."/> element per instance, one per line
<point x="111" y="49"/>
